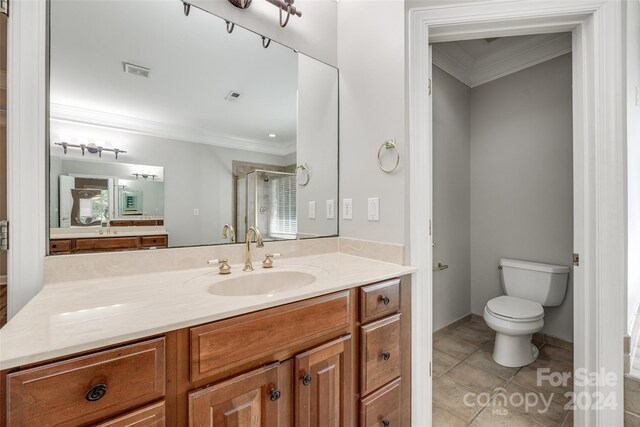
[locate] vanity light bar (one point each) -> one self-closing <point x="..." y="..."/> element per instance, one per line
<point x="91" y="148"/>
<point x="145" y="176"/>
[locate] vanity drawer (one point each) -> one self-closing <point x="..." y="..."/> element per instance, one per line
<point x="106" y="244"/>
<point x="149" y="416"/>
<point x="379" y="353"/>
<point x="59" y="246"/>
<point x="250" y="340"/>
<point x="379" y="300"/>
<point x="120" y="223"/>
<point x="149" y="241"/>
<point x="87" y="388"/>
<point x="383" y="405"/>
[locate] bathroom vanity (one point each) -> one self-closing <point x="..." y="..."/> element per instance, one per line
<point x="333" y="352"/>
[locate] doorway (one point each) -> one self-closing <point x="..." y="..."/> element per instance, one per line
<point x="598" y="175"/>
<point x="502" y="188"/>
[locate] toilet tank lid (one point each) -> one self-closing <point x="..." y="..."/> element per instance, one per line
<point x="535" y="266"/>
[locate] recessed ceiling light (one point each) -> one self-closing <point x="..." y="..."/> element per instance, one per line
<point x="272" y="135"/>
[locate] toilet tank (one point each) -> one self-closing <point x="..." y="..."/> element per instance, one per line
<point x="543" y="283"/>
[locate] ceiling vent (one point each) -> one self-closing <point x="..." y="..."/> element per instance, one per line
<point x="136" y="70"/>
<point x="232" y="96"/>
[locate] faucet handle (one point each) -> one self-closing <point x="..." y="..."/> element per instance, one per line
<point x="223" y="265"/>
<point x="268" y="260"/>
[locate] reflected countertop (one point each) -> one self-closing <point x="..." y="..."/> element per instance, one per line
<point x="102" y="232"/>
<point x="67" y="318"/>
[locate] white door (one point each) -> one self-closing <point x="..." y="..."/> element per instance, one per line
<point x="66" y="200"/>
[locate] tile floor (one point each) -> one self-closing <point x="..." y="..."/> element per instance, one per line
<point x="470" y="389"/>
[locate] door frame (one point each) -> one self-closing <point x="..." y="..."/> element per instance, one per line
<point x="599" y="157"/>
<point x="27" y="167"/>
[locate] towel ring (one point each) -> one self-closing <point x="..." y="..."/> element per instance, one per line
<point x="387" y="145"/>
<point x="304" y="167"/>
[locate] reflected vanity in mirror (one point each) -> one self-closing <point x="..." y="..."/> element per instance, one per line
<point x="168" y="130"/>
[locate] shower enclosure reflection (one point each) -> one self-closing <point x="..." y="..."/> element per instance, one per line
<point x="266" y="199"/>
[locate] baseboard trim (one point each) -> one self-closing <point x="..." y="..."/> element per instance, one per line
<point x="445" y="329"/>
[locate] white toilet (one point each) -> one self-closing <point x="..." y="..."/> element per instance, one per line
<point x="517" y="315"/>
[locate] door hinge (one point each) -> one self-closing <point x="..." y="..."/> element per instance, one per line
<point x="4" y="235"/>
<point x="576" y="260"/>
<point x="429" y="368"/>
<point x="4" y="7"/>
<point x="429" y="86"/>
<point x="429" y="227"/>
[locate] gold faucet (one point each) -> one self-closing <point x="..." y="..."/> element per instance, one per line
<point x="225" y="230"/>
<point x="259" y="244"/>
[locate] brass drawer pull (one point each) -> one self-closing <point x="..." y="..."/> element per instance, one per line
<point x="385" y="300"/>
<point x="386" y="355"/>
<point x="386" y="423"/>
<point x="96" y="392"/>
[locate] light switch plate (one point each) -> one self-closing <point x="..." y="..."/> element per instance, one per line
<point x="196" y="212"/>
<point x="373" y="209"/>
<point x="347" y="209"/>
<point x="331" y="209"/>
<point x="312" y="210"/>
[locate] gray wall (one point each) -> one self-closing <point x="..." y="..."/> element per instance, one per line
<point x="372" y="109"/>
<point x="521" y="180"/>
<point x="196" y="176"/>
<point x="451" y="199"/>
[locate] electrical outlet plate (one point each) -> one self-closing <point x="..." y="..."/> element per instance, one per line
<point x="373" y="209"/>
<point x="331" y="209"/>
<point x="347" y="209"/>
<point x="312" y="210"/>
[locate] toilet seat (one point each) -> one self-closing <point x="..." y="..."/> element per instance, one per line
<point x="515" y="309"/>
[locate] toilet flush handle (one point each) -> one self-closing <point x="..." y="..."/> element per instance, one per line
<point x="440" y="266"/>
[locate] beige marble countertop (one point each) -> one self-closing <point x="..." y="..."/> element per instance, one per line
<point x="71" y="317"/>
<point x="103" y="232"/>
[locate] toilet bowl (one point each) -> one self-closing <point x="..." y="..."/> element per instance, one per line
<point x="515" y="320"/>
<point x="519" y="314"/>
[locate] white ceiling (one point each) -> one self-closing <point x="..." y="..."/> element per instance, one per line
<point x="475" y="62"/>
<point x="194" y="64"/>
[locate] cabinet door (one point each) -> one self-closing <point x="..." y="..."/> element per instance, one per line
<point x="324" y="390"/>
<point x="249" y="400"/>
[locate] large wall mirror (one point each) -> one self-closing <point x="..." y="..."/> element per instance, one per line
<point x="166" y="130"/>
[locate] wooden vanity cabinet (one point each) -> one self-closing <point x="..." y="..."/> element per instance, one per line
<point x="251" y="399"/>
<point x="323" y="383"/>
<point x="385" y="354"/>
<point x="89" y="388"/>
<point x="316" y="362"/>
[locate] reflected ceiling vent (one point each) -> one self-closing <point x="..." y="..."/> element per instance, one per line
<point x="232" y="96"/>
<point x="491" y="39"/>
<point x="136" y="70"/>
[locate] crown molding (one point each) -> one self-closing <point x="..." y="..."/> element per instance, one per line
<point x="455" y="61"/>
<point x="512" y="57"/>
<point x="68" y="114"/>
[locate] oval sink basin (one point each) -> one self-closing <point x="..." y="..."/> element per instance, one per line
<point x="261" y="283"/>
